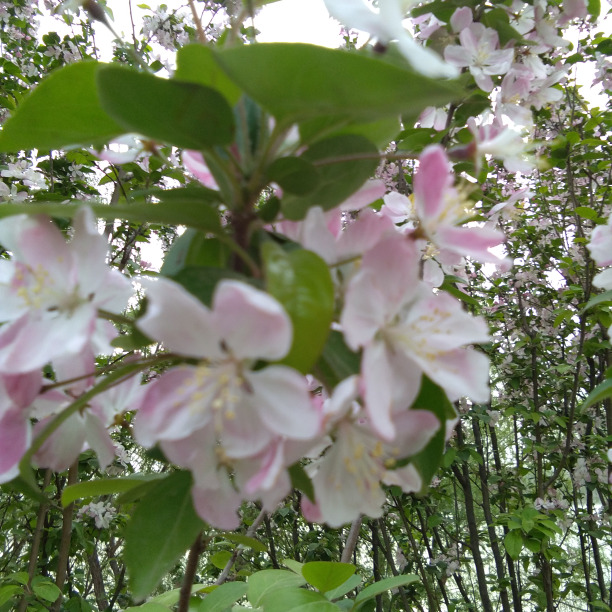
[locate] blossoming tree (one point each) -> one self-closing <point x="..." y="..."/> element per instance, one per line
<point x="333" y="236"/>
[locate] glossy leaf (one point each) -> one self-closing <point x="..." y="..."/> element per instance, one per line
<point x="187" y="115"/>
<point x="63" y="110"/>
<point x="327" y="575"/>
<point x="344" y="163"/>
<point x="296" y="600"/>
<point x="294" y="175"/>
<point x="264" y="582"/>
<point x="298" y="81"/>
<point x="513" y="543"/>
<point x="104" y="486"/>
<point x="243" y="540"/>
<point x="196" y="63"/>
<point x="174" y="211"/>
<point x="161" y="529"/>
<point x="222" y="597"/>
<point x="384" y="585"/>
<point x="301" y="282"/>
<point x="194" y="248"/>
<point x="353" y="582"/>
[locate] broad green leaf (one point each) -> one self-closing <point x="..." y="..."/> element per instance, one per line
<point x="600" y="298"/>
<point x="513" y="542"/>
<point x="353" y="582"/>
<point x="221" y="558"/>
<point x="104" y="486"/>
<point x="246" y="541"/>
<point x="301" y="481"/>
<point x="63" y="110"/>
<point x="264" y="582"/>
<point x="195" y="248"/>
<point x="294" y="566"/>
<point x="294" y="174"/>
<point x="8" y="591"/>
<point x="298" y="81"/>
<point x="175" y="211"/>
<point x="187" y="115"/>
<point x="222" y="597"/>
<point x="337" y="361"/>
<point x="601" y="392"/>
<point x="296" y="600"/>
<point x="344" y="163"/>
<point x="45" y="589"/>
<point x="170" y="598"/>
<point x="384" y="585"/>
<point x="161" y="529"/>
<point x="301" y="282"/>
<point x="432" y="398"/>
<point x="586" y="212"/>
<point x="327" y="575"/>
<point x="196" y="64"/>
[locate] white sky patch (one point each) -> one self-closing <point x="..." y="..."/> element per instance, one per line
<point x="297" y="21"/>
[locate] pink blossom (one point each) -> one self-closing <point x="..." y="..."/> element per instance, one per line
<point x="479" y="52"/>
<point x="347" y="478"/>
<point x="441" y="207"/>
<point x="405" y="331"/>
<point x="50" y="292"/>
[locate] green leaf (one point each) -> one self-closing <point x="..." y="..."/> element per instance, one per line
<point x="513" y="542"/>
<point x="327" y="575"/>
<point x="63" y="110"/>
<point x="220" y="558"/>
<point x="104" y="486"/>
<point x="298" y="81"/>
<point x="187" y="115"/>
<point x="246" y="541"/>
<point x="601" y="392"/>
<point x="195" y="248"/>
<point x="344" y="163"/>
<point x="301" y="481"/>
<point x="172" y="212"/>
<point x="196" y="64"/>
<point x="431" y="397"/>
<point x="600" y="298"/>
<point x="301" y="282"/>
<point x="170" y="598"/>
<point x="8" y="591"/>
<point x="222" y="597"/>
<point x="337" y="361"/>
<point x="384" y="585"/>
<point x="163" y="526"/>
<point x="296" y="600"/>
<point x="353" y="582"/>
<point x="294" y="174"/>
<point x="45" y="589"/>
<point x="586" y="212"/>
<point x="294" y="566"/>
<point x="264" y="582"/>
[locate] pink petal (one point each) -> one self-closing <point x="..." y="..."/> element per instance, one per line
<point x="281" y="397"/>
<point x="179" y="320"/>
<point x="15" y="436"/>
<point x="218" y="507"/>
<point x="251" y="323"/>
<point x="432" y="178"/>
<point x="472" y="242"/>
